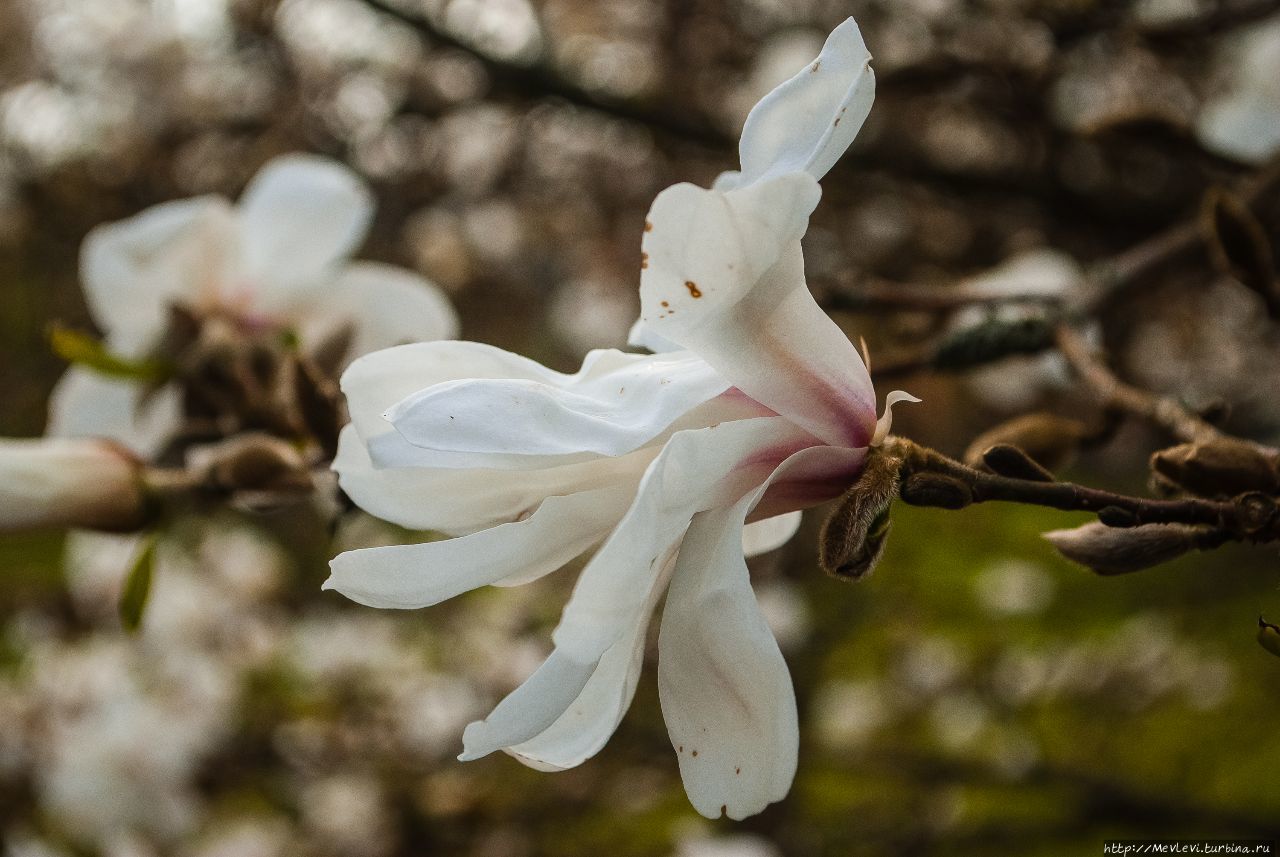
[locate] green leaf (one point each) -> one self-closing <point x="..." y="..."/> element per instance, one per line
<point x="1269" y="636"/>
<point x="80" y="348"/>
<point x="137" y="586"/>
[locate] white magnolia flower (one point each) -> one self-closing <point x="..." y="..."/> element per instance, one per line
<point x="661" y="459"/>
<point x="277" y="260"/>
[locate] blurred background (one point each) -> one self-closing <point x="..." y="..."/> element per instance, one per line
<point x="976" y="696"/>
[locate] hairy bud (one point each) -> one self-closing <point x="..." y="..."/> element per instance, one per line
<point x="1219" y="467"/>
<point x="69" y="482"/>
<point x="1005" y="460"/>
<point x="854" y="537"/>
<point x="1051" y="441"/>
<point x="253" y="463"/>
<point x="1110" y="550"/>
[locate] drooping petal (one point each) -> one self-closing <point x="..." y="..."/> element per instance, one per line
<point x="725" y="690"/>
<point x="725" y="279"/>
<point x="592" y="718"/>
<point x="696" y="470"/>
<point x="770" y="534"/>
<point x="530" y="709"/>
<point x="413" y="576"/>
<point x="175" y="252"/>
<point x="299" y="216"/>
<point x="381" y="304"/>
<point x="807" y="123"/>
<point x="86" y="404"/>
<point x="607" y="413"/>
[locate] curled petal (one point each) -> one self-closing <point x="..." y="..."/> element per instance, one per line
<point x="299" y="216"/>
<point x="885" y="423"/>
<point x="805" y="124"/>
<point x="607" y="413"/>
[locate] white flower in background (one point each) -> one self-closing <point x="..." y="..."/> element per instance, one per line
<point x="276" y="261"/>
<point x="1244" y="121"/>
<point x="659" y="459"/>
<point x="61" y="482"/>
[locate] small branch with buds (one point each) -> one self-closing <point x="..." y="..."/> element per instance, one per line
<point x="1131" y="533"/>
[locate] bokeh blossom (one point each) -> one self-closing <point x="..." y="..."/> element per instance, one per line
<point x="275" y="264"/>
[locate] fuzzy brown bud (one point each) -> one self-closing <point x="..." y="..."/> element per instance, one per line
<point x="1219" y="467"/>
<point x="253" y="462"/>
<point x="1110" y="550"/>
<point x="1051" y="441"/>
<point x="853" y="538"/>
<point x="1269" y="636"/>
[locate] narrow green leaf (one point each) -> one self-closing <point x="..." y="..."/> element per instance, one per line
<point x="80" y="348"/>
<point x="137" y="586"/>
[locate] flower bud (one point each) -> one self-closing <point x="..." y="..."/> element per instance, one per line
<point x="1050" y="440"/>
<point x="69" y="482"/>
<point x="854" y="537"/>
<point x="1219" y="467"/>
<point x="1110" y="550"/>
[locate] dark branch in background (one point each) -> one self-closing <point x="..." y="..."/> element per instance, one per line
<point x="540" y="79"/>
<point x="1105" y="282"/>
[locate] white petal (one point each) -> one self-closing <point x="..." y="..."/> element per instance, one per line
<point x="725" y="279"/>
<point x="696" y="470"/>
<point x="608" y="413"/>
<point x="770" y="534"/>
<point x="725" y="690"/>
<point x="807" y="123"/>
<point x="641" y="336"/>
<point x="382" y="304"/>
<point x="531" y="708"/>
<point x="885" y="423"/>
<point x="133" y="270"/>
<point x="86" y="404"/>
<point x="299" y="216"/>
<point x="592" y="718"/>
<point x="459" y="501"/>
<point x="412" y="576"/>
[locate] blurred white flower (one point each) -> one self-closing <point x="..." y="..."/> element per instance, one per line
<point x="662" y="458"/>
<point x="1243" y="122"/>
<point x="276" y="261"/>
<point x="61" y="482"/>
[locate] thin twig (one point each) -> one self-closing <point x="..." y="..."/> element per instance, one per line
<point x="540" y="79"/>
<point x="946" y="483"/>
<point x="1167" y="413"/>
